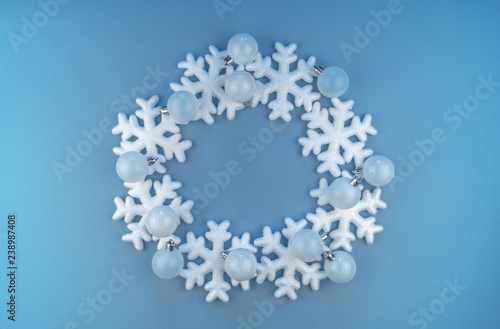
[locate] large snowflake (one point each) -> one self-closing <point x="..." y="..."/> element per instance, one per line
<point x="336" y="135"/>
<point x="342" y="235"/>
<point x="283" y="81"/>
<point x="150" y="136"/>
<point x="209" y="83"/>
<point x="128" y="209"/>
<point x="213" y="260"/>
<point x="287" y="284"/>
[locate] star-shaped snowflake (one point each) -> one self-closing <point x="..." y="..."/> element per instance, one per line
<point x="213" y="262"/>
<point x="209" y="84"/>
<point x="128" y="209"/>
<point x="150" y="136"/>
<point x="342" y="236"/>
<point x="287" y="284"/>
<point x="283" y="81"/>
<point x="336" y="135"/>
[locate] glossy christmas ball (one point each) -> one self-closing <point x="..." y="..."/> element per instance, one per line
<point x="306" y="245"/>
<point x="342" y="269"/>
<point x="183" y="106"/>
<point x="242" y="48"/>
<point x="378" y="170"/>
<point x="162" y="221"/>
<point x="167" y="264"/>
<point x="342" y="194"/>
<point x="333" y="82"/>
<point x="132" y="167"/>
<point x="241" y="264"/>
<point x="240" y="86"/>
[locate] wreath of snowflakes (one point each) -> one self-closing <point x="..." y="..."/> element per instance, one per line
<point x="335" y="135"/>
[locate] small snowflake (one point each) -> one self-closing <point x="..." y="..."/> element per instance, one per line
<point x="283" y="81"/>
<point x="150" y="136"/>
<point x="213" y="260"/>
<point x="342" y="236"/>
<point x="286" y="261"/>
<point x="128" y="209"/>
<point x="336" y="135"/>
<point x="209" y="83"/>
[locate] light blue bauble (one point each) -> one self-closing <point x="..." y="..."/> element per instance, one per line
<point x="378" y="170"/>
<point x="167" y="264"/>
<point x="132" y="167"/>
<point x="342" y="269"/>
<point x="183" y="106"/>
<point x="306" y="245"/>
<point x="333" y="82"/>
<point x="342" y="194"/>
<point x="241" y="264"/>
<point x="242" y="48"/>
<point x="240" y="86"/>
<point x="162" y="221"/>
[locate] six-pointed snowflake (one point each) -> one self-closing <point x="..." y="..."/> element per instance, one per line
<point x="342" y="236"/>
<point x="283" y="81"/>
<point x="150" y="136"/>
<point x="336" y="135"/>
<point x="128" y="209"/>
<point x="213" y="260"/>
<point x="287" y="284"/>
<point x="209" y="84"/>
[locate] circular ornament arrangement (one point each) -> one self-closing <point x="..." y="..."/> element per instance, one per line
<point x="212" y="85"/>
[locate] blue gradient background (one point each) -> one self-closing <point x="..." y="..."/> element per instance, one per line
<point x="441" y="223"/>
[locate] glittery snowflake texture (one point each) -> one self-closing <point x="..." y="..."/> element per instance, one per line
<point x="342" y="236"/>
<point x="213" y="260"/>
<point x="287" y="284"/>
<point x="128" y="209"/>
<point x="336" y="136"/>
<point x="209" y="83"/>
<point x="149" y="136"/>
<point x="283" y="81"/>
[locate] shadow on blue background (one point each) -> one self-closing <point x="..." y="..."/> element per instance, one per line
<point x="73" y="72"/>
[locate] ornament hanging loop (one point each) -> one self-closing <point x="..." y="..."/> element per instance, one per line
<point x="358" y="176"/>
<point x="318" y="70"/>
<point x="151" y="161"/>
<point x="228" y="60"/>
<point x="164" y="110"/>
<point x="224" y="254"/>
<point x="170" y="245"/>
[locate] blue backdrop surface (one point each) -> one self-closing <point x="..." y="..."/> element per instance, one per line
<point x="427" y="72"/>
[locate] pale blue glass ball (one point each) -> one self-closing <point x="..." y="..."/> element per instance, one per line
<point x="167" y="264"/>
<point x="242" y="48"/>
<point x="378" y="170"/>
<point x="241" y="264"/>
<point x="132" y="167"/>
<point x="306" y="245"/>
<point x="333" y="82"/>
<point x="162" y="221"/>
<point x="183" y="106"/>
<point x="342" y="194"/>
<point x="240" y="86"/>
<point x="342" y="269"/>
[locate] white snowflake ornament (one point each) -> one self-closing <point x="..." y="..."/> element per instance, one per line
<point x="213" y="262"/>
<point x="283" y="81"/>
<point x="336" y="135"/>
<point x="287" y="284"/>
<point x="342" y="236"/>
<point x="150" y="136"/>
<point x="128" y="209"/>
<point x="209" y="84"/>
